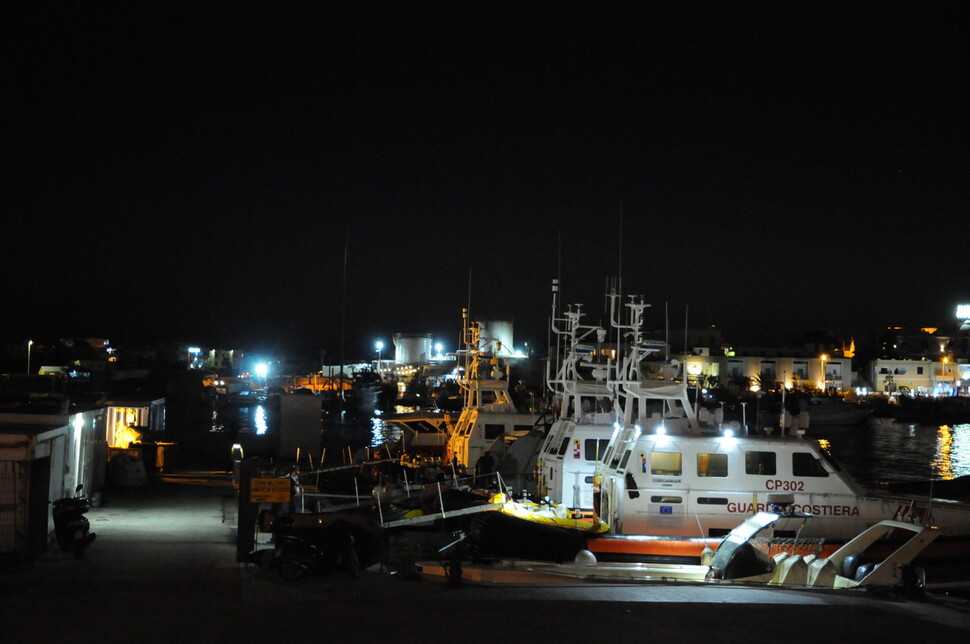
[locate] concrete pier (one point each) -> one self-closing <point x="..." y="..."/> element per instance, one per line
<point x="163" y="569"/>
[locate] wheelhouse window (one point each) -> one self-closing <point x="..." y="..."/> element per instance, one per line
<point x="493" y="430"/>
<point x="666" y="463"/>
<point x="805" y="464"/>
<point x="760" y="463"/>
<point x="626" y="459"/>
<point x="594" y="449"/>
<point x="564" y="445"/>
<point x="712" y="465"/>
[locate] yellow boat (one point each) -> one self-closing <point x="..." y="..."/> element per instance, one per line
<point x="551" y="514"/>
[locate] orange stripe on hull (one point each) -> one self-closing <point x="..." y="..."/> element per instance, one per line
<point x="661" y="547"/>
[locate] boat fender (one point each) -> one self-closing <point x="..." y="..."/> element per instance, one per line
<point x="707" y="556"/>
<point x="851" y="564"/>
<point x="585" y="558"/>
<point x="864" y="570"/>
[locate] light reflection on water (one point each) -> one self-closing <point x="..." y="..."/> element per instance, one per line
<point x="383" y="432"/>
<point x="245" y="419"/>
<point x="891" y="451"/>
<point x="260" y="424"/>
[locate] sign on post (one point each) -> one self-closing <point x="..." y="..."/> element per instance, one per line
<point x="270" y="490"/>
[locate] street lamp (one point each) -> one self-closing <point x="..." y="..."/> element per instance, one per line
<point x="262" y="371"/>
<point x="30" y="343"/>
<point x="380" y="347"/>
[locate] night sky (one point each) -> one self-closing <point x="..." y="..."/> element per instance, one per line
<point x="199" y="172"/>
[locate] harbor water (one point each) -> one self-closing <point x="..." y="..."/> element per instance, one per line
<point x="878" y="451"/>
<point x="884" y="450"/>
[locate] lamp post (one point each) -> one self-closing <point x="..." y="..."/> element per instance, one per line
<point x="380" y="347"/>
<point x="262" y="371"/>
<point x="30" y="343"/>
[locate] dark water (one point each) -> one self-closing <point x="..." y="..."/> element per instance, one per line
<point x="206" y="432"/>
<point x="885" y="450"/>
<point x="879" y="451"/>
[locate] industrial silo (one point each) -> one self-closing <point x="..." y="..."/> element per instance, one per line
<point x="411" y="348"/>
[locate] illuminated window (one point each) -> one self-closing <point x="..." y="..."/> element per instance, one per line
<point x="712" y="465"/>
<point x="666" y="463"/>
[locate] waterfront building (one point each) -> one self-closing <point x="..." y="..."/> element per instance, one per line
<point x="766" y="368"/>
<point x="919" y="376"/>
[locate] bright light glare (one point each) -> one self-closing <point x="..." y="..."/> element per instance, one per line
<point x="260" y="422"/>
<point x="661" y="430"/>
<point x="261" y="369"/>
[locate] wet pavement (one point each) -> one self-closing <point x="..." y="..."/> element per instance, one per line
<point x="163" y="569"/>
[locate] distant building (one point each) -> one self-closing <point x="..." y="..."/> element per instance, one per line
<point x="766" y="368"/>
<point x="923" y="376"/>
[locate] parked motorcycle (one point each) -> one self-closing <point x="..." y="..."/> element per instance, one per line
<point x="323" y="542"/>
<point x="71" y="527"/>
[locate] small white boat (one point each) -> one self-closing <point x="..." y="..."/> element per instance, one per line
<point x="750" y="554"/>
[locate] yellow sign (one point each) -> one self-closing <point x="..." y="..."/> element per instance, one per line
<point x="269" y="490"/>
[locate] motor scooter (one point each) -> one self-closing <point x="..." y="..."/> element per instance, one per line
<point x="71" y="527"/>
<point x="310" y="543"/>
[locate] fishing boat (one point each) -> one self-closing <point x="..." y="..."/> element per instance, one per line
<point x="489" y="420"/>
<point x="424" y="434"/>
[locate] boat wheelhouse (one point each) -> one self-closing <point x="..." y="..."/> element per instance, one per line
<point x="489" y="418"/>
<point x="586" y="412"/>
<point x="601" y="390"/>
